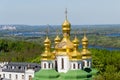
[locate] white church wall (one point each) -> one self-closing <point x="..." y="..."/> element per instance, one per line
<point x="47" y="64"/>
<point x="75" y="65"/>
<point x="63" y="67"/>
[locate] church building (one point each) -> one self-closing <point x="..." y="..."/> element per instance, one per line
<point x="66" y="62"/>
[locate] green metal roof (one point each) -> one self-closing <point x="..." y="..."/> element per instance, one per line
<point x="75" y="74"/>
<point x="44" y="74"/>
<point x="51" y="74"/>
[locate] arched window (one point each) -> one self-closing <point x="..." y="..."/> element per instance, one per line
<point x="87" y="63"/>
<point x="78" y="65"/>
<point x="22" y="76"/>
<point x="10" y="76"/>
<point x="3" y="75"/>
<point x="55" y="65"/>
<point x="16" y="76"/>
<point x="62" y="63"/>
<point x="49" y="65"/>
<point x="73" y="66"/>
<point x="44" y="65"/>
<point x="83" y="63"/>
<point x="52" y="65"/>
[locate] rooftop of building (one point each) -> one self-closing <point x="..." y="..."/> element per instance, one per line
<point x="20" y="67"/>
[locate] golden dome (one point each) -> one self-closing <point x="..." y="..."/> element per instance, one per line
<point x="47" y="55"/>
<point x="47" y="40"/>
<point x="66" y="26"/>
<point x="65" y="46"/>
<point x="75" y="55"/>
<point x="85" y="52"/>
<point x="57" y="39"/>
<point x="75" y="41"/>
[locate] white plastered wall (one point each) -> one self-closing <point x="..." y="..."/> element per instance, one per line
<point x="47" y="63"/>
<point x="66" y="63"/>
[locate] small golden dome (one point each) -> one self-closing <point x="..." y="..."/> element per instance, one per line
<point x="57" y="39"/>
<point x="85" y="52"/>
<point x="47" y="40"/>
<point x="75" y="55"/>
<point x="84" y="39"/>
<point x="47" y="55"/>
<point x="75" y="41"/>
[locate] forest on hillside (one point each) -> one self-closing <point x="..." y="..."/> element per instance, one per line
<point x="19" y="51"/>
<point x="107" y="62"/>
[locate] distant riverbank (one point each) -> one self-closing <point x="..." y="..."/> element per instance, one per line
<point x="113" y="35"/>
<point x="100" y="47"/>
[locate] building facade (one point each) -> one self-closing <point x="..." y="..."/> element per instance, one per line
<point x="18" y="70"/>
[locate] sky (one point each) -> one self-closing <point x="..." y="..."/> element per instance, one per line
<point x="42" y="12"/>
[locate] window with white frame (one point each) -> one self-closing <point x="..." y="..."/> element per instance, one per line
<point x="10" y="76"/>
<point x="44" y="65"/>
<point x="22" y="76"/>
<point x="3" y="75"/>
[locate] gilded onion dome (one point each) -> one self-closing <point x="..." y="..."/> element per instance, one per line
<point x="57" y="40"/>
<point x="66" y="26"/>
<point x="47" y="55"/>
<point x="85" y="52"/>
<point x="75" y="55"/>
<point x="65" y="46"/>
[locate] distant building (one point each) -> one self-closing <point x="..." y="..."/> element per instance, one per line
<point x="18" y="70"/>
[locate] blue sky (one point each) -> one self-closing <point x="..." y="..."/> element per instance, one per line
<point x="42" y="12"/>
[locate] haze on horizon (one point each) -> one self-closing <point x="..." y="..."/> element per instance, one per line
<point x="42" y="12"/>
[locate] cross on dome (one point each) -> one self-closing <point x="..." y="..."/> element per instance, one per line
<point x="66" y="13"/>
